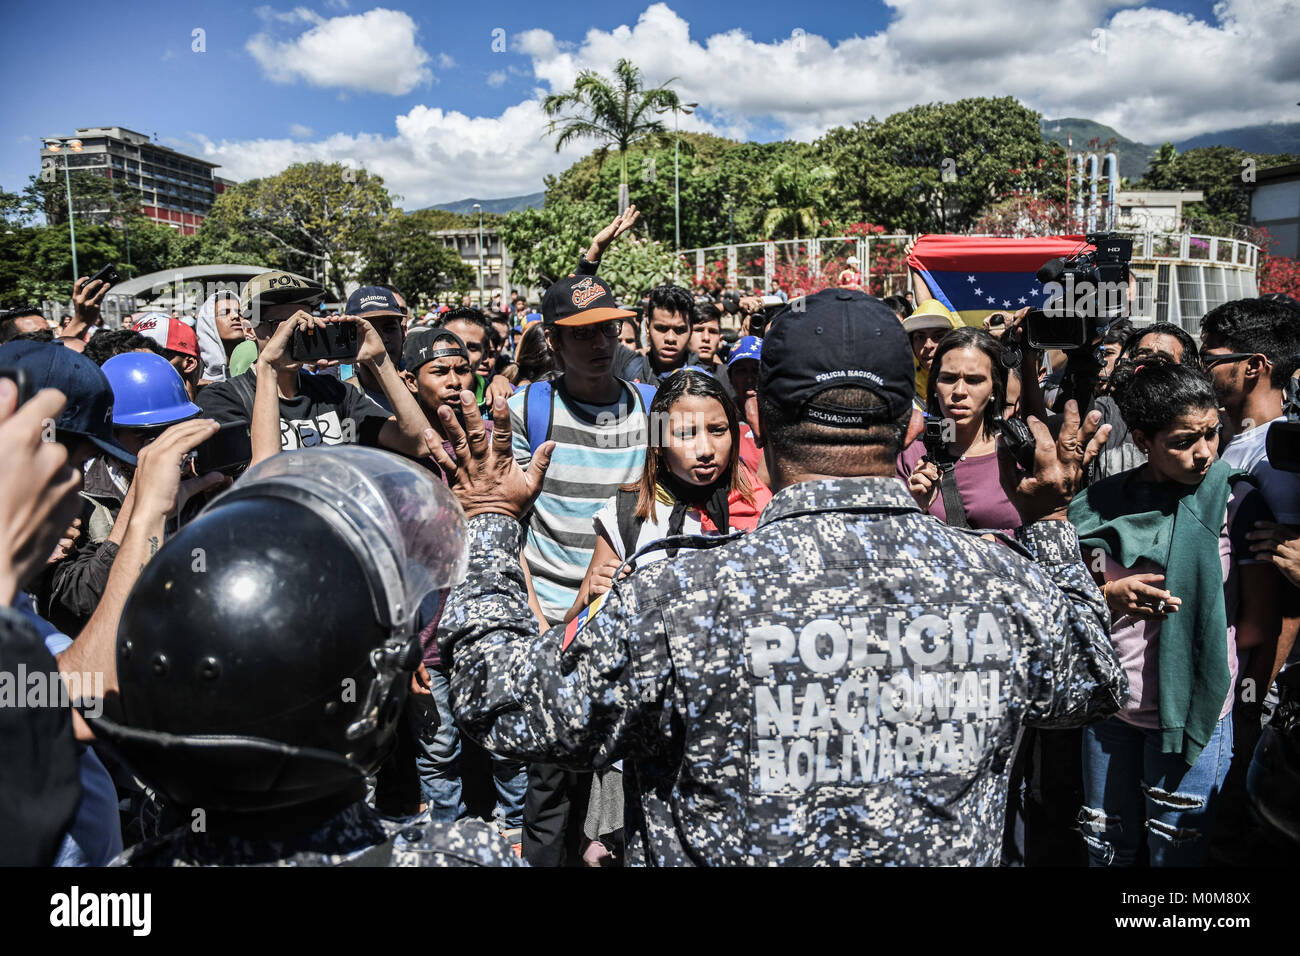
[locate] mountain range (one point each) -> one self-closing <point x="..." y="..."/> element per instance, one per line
<point x="465" y="207"/>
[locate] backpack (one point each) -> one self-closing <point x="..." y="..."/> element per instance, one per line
<point x="539" y="410"/>
<point x="629" y="525"/>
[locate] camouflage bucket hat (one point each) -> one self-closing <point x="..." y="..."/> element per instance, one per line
<point x="277" y="288"/>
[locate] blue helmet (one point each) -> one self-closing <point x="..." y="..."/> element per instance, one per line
<point x="147" y="391"/>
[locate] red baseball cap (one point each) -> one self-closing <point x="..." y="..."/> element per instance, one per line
<point x="170" y="333"/>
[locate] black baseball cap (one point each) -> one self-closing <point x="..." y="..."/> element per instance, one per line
<point x="832" y="338"/>
<point x="373" y="300"/>
<point x="581" y="300"/>
<point x="89" y="411"/>
<point x="425" y="345"/>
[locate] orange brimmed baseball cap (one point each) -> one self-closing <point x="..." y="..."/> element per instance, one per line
<point x="581" y="300"/>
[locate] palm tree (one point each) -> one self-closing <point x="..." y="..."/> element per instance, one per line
<point x="615" y="114"/>
<point x="797" y="195"/>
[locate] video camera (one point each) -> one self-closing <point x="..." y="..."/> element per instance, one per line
<point x="1087" y="293"/>
<point x="1282" y="443"/>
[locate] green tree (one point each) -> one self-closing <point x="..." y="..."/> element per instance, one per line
<point x="95" y="198"/>
<point x="403" y="252"/>
<point x="936" y="167"/>
<point x="712" y="169"/>
<point x="798" y="196"/>
<point x="1224" y="173"/>
<point x="615" y="114"/>
<point x="310" y="218"/>
<point x="545" y="245"/>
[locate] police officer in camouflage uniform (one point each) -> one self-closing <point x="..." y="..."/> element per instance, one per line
<point x="263" y="659"/>
<point x="842" y="685"/>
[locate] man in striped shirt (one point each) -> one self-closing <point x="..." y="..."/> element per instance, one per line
<point x="599" y="424"/>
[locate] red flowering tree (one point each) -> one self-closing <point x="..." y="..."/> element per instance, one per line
<point x="1279" y="274"/>
<point x="1023" y="215"/>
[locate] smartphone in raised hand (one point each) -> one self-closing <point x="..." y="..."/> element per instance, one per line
<point x="339" y="340"/>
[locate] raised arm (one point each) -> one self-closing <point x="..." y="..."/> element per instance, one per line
<point x="601" y="241"/>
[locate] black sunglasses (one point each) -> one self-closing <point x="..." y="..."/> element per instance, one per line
<point x="584" y="333"/>
<point x="1209" y="361"/>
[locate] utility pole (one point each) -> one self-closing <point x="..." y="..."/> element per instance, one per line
<point x="481" y="277"/>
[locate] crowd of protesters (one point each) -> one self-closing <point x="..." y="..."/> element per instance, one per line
<point x="648" y="413"/>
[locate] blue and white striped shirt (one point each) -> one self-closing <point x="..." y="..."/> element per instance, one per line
<point x="597" y="449"/>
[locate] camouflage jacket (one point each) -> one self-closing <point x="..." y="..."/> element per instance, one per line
<point x="844" y="684"/>
<point x="356" y="836"/>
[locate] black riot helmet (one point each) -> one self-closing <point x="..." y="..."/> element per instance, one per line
<point x="265" y="652"/>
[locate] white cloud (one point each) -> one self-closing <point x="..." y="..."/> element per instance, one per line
<point x="1153" y="75"/>
<point x="373" y="52"/>
<point x="445" y="61"/>
<point x="300" y="131"/>
<point x="434" y="155"/>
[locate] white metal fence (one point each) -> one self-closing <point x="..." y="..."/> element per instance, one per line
<point x="1180" y="275"/>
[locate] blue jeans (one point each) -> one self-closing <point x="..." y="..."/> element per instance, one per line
<point x="438" y="760"/>
<point x="1131" y="788"/>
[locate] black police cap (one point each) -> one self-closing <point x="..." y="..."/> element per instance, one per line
<point x="834" y="338"/>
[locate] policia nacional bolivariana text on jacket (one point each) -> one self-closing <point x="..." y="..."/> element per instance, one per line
<point x="842" y="685"/>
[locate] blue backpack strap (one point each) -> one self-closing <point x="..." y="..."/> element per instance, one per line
<point x="538" y="397"/>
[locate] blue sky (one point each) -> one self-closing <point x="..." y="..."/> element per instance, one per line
<point x="417" y="93"/>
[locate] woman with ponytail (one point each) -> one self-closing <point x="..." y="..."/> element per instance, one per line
<point x="1166" y="543"/>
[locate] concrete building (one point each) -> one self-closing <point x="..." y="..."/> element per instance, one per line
<point x="496" y="261"/>
<point x="1275" y="206"/>
<point x="175" y="189"/>
<point x="1155" y="210"/>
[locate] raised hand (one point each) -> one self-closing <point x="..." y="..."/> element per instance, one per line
<point x="484" y="476"/>
<point x="1059" y="466"/>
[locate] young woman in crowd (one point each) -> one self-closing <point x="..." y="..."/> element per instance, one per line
<point x="967" y="395"/>
<point x="693" y="482"/>
<point x="1167" y="543"/>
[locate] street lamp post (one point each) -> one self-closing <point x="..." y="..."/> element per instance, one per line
<point x="481" y="277"/>
<point x="56" y="146"/>
<point x="688" y="109"/>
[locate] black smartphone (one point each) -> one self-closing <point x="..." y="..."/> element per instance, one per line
<point x="334" y="340"/>
<point x="228" y="451"/>
<point x="107" y="274"/>
<point x="22" y="381"/>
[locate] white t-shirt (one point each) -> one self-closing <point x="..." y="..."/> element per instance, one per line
<point x="606" y="522"/>
<point x="1281" y="489"/>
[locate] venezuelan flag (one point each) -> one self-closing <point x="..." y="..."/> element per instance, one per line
<point x="975" y="277"/>
<point x="572" y="628"/>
